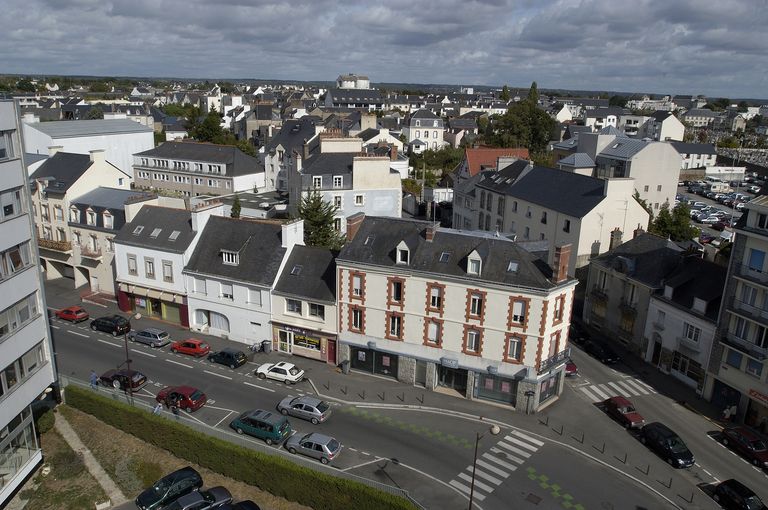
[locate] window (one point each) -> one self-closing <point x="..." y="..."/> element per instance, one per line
<point x="514" y="206"/>
<point x="660" y="317"/>
<point x="90" y="217"/>
<point x="527" y="233"/>
<point x="293" y="306"/>
<point x="132" y="268"/>
<point x="110" y="245"/>
<point x="473" y="341"/>
<point x="761" y="221"/>
<point x="357" y="285"/>
<point x="754" y="367"/>
<point x="474" y="266"/>
<point x="514" y="348"/>
<point x="337" y="224"/>
<point x="174" y="235"/>
<point x="109" y="220"/>
<point x="733" y="358"/>
<point x="528" y="212"/>
<point x="418" y="133"/>
<point x="230" y="258"/>
<point x="756" y="259"/>
<point x="519" y="309"/>
<point x="559" y="308"/>
<point x="645" y="189"/>
<point x="18" y="314"/>
<point x="394" y="326"/>
<point x="200" y="286"/>
<point x="45" y="213"/>
<point x="482" y="200"/>
<point x="658" y="188"/>
<point x="359" y="200"/>
<point x="58" y="213"/>
<point x="254" y="297"/>
<point x="476" y="305"/>
<point x="566" y="225"/>
<point x="434" y="134"/>
<point x="167" y="271"/>
<point x="434" y="332"/>
<point x="691" y="332"/>
<point x="500" y="206"/>
<point x="337" y="181"/>
<point x="226" y="291"/>
<point x="741" y="328"/>
<point x="544" y="217"/>
<point x="155" y="233"/>
<point x="396" y="292"/>
<point x="356" y="321"/>
<point x="149" y="268"/>
<point x="6" y="145"/>
<point x="317" y="181"/>
<point x="435" y="298"/>
<point x="138" y="230"/>
<point x="316" y="310"/>
<point x="402" y="256"/>
<point x="337" y="202"/>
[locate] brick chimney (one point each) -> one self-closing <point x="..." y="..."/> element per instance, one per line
<point x="561" y="262"/>
<point x="429" y="232"/>
<point x="639" y="230"/>
<point x="616" y="235"/>
<point x="393" y="152"/>
<point x="353" y="224"/>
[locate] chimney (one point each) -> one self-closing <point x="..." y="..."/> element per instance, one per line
<point x="305" y="150"/>
<point x="616" y="235"/>
<point x="201" y="213"/>
<point x="30" y="118"/>
<point x="561" y="262"/>
<point x="292" y="233"/>
<point x="393" y="152"/>
<point x="429" y="233"/>
<point x="353" y="224"/>
<point x="639" y="230"/>
<point x="53" y="149"/>
<point x="98" y="156"/>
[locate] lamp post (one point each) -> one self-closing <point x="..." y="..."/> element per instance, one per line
<point x="136" y="316"/>
<point x="494" y="431"/>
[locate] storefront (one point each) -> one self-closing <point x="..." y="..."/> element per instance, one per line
<point x="496" y="388"/>
<point x="449" y="375"/>
<point x="304" y="342"/>
<point x="548" y="387"/>
<point x="373" y="361"/>
<point x="724" y="396"/>
<point x="153" y="303"/>
<point x="757" y="411"/>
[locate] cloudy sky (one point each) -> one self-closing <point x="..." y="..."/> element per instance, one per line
<point x="713" y="47"/>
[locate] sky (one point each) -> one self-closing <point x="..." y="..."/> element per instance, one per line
<point x="712" y="47"/>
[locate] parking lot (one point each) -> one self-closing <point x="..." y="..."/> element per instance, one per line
<point x="711" y="216"/>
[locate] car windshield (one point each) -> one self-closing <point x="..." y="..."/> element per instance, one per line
<point x="120" y="321"/>
<point x="137" y="376"/>
<point x="154" y="494"/>
<point x="676" y="445"/>
<point x="284" y="426"/>
<point x="333" y="445"/>
<point x="196" y="395"/>
<point x="293" y="371"/>
<point x="753" y="503"/>
<point x="203" y="346"/>
<point x="629" y="409"/>
<point x="758" y="445"/>
<point x="322" y="407"/>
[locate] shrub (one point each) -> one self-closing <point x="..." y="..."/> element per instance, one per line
<point x="66" y="464"/>
<point x="45" y="422"/>
<point x="147" y="472"/>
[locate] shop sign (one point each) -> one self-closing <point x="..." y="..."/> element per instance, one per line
<point x="759" y="396"/>
<point x="294" y="329"/>
<point x="309" y="342"/>
<point x="449" y="362"/>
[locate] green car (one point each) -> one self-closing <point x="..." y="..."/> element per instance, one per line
<point x="269" y="426"/>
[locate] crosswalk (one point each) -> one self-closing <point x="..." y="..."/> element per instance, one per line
<point x="495" y="465"/>
<point x="627" y="387"/>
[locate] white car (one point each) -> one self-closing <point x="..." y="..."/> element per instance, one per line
<point x="286" y="372"/>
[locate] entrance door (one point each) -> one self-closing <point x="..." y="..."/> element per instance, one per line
<point x="284" y="341"/>
<point x="421" y="373"/>
<point x="656" y="353"/>
<point x="331" y="351"/>
<point x="94" y="283"/>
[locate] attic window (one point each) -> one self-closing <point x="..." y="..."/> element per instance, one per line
<point x="473" y="267"/>
<point x="174" y="235"/>
<point x="296" y="271"/>
<point x="231" y="258"/>
<point x="402" y="256"/>
<point x="445" y="256"/>
<point x="138" y="230"/>
<point x="369" y="240"/>
<point x="616" y="146"/>
<point x="512" y="267"/>
<point x="155" y="233"/>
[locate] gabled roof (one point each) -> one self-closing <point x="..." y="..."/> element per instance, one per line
<point x="377" y="238"/>
<point x="487" y="157"/>
<point x="76" y="128"/>
<point x="258" y="245"/>
<point x="687" y="283"/>
<point x="661" y="115"/>
<point x="309" y="272"/>
<point x="236" y="161"/>
<point x="700" y="112"/>
<point x="604" y="112"/>
<point x="577" y="160"/>
<point x="623" y="148"/>
<point x="168" y="220"/>
<point x="647" y="259"/>
<point x="63" y="169"/>
<point x="694" y="148"/>
<point x="293" y="133"/>
<point x="612" y="130"/>
<point x="336" y="163"/>
<point x="368" y="134"/>
<point x="424" y="114"/>
<point x="355" y="96"/>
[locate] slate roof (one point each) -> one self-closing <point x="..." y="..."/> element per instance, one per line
<point x="236" y="161"/>
<point x="487" y="157"/>
<point x="570" y="145"/>
<point x="309" y="272"/>
<point x="346" y="96"/>
<point x="647" y="259"/>
<point x="63" y="169"/>
<point x="605" y="111"/>
<point x="293" y="133"/>
<point x="76" y="128"/>
<point x="577" y="160"/>
<point x="695" y="277"/>
<point x="377" y="239"/>
<point x="661" y="115"/>
<point x="258" y="245"/>
<point x="612" y="130"/>
<point x="700" y="112"/>
<point x="462" y="123"/>
<point x="168" y="220"/>
<point x="623" y="148"/>
<point x="694" y="148"/>
<point x="368" y="134"/>
<point x="336" y="163"/>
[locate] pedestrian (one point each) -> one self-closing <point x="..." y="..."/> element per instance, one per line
<point x="727" y="413"/>
<point x="94" y="380"/>
<point x="175" y="409"/>
<point x="158" y="408"/>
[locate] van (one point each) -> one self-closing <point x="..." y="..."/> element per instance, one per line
<point x="273" y="428"/>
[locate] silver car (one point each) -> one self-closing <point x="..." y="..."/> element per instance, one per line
<point x="209" y="499"/>
<point x="318" y="446"/>
<point x="307" y="408"/>
<point x="152" y="337"/>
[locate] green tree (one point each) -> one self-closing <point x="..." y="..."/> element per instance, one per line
<point x="728" y="142"/>
<point x="504" y="96"/>
<point x="743" y="105"/>
<point x="619" y="101"/>
<point x="662" y="225"/>
<point x="95" y="113"/>
<point x="533" y="94"/>
<point x="318" y="216"/>
<point x="235" y="213"/>
<point x="412" y="186"/>
<point x="674" y="224"/>
<point x="100" y="86"/>
<point x="25" y="86"/>
<point x="643" y="203"/>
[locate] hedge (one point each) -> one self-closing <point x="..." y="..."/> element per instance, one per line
<point x="272" y="474"/>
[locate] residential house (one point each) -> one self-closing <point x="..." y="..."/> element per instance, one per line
<point x="470" y="312"/>
<point x="277" y="155"/>
<point x="664" y="126"/>
<point x="737" y="374"/>
<point x="231" y="273"/>
<point x="681" y="321"/>
<point x="260" y="124"/>
<point x="600" y="118"/>
<point x="696" y="155"/>
<point x="425" y="126"/>
<point x="304" y="312"/>
<point x="58" y="182"/>
<point x="192" y="168"/>
<point x="368" y="99"/>
<point x="27" y="369"/>
<point x="486" y="158"/>
<point x="353" y="81"/>
<point x="699" y="117"/>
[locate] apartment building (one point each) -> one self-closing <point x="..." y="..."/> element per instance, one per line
<point x="696" y="155"/>
<point x="27" y="369"/>
<point x="425" y="127"/>
<point x="278" y="153"/>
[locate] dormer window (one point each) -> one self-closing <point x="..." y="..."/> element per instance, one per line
<point x="91" y="217"/>
<point x="138" y="230"/>
<point x="474" y="264"/>
<point x="403" y="253"/>
<point x="231" y="258"/>
<point x="74" y="215"/>
<point x="108" y="220"/>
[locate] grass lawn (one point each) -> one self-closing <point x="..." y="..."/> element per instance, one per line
<point x="134" y="464"/>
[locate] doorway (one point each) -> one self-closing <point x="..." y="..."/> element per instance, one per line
<point x="331" y="351"/>
<point x="421" y="373"/>
<point x="655" y="357"/>
<point x="454" y="378"/>
<point x="284" y="341"/>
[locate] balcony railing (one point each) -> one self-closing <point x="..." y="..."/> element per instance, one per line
<point x="745" y="346"/>
<point x="754" y="274"/>
<point x="49" y="244"/>
<point x="552" y="361"/>
<point x="89" y="252"/>
<point x="599" y="294"/>
<point x="752" y="311"/>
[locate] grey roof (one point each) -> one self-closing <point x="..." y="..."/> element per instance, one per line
<point x="111" y="198"/>
<point x="571" y="144"/>
<point x="577" y="160"/>
<point x="623" y="148"/>
<point x="31" y="158"/>
<point x="687" y="283"/>
<point x="368" y="134"/>
<point x="76" y="128"/>
<point x="309" y="272"/>
<point x="237" y="162"/>
<point x="168" y="220"/>
<point x="293" y="133"/>
<point x="609" y="110"/>
<point x="63" y="169"/>
<point x="612" y="130"/>
<point x="700" y="112"/>
<point x="647" y="258"/>
<point x="424" y="114"/>
<point x="258" y="245"/>
<point x="462" y="123"/>
<point x="336" y="163"/>
<point x="661" y="115"/>
<point x="694" y="148"/>
<point x="355" y="96"/>
<point x="377" y="239"/>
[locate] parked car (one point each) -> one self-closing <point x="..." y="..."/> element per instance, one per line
<point x="119" y="379"/>
<point x="748" y="443"/>
<point x="321" y="447"/>
<point x="230" y="357"/>
<point x="184" y="397"/>
<point x="241" y="505"/>
<point x="602" y="353"/>
<point x="571" y="370"/>
<point x="282" y="371"/>
<point x="152" y="337"/>
<point x="576" y="334"/>
<point x="719" y="226"/>
<point x="711" y="220"/>
<point x="113" y="324"/>
<point x="734" y="495"/>
<point x="306" y="408"/>
<point x="73" y="314"/>
<point x="169" y="489"/>
<point x="666" y="444"/>
<point x="191" y="346"/>
<point x="705" y="238"/>
<point x="266" y="425"/>
<point x="621" y="409"/>
<point x="209" y="499"/>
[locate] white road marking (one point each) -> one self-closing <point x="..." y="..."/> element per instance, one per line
<point x="144" y="353"/>
<point x="55" y="327"/>
<point x="108" y="343"/>
<point x="78" y="334"/>
<point x="626" y="389"/>
<point x="491" y="468"/>
<point x="637" y="387"/>
<point x="528" y="438"/>
<point x="483" y="474"/>
<point x="221" y="420"/>
<point x="257" y="386"/>
<point x="616" y="386"/>
<point x="511" y="448"/>
<point x="516" y="441"/>
<point x="217" y="375"/>
<point x="178" y="363"/>
<point x="478" y="483"/>
<point x="506" y="465"/>
<point x="363" y="464"/>
<point x="463" y="488"/>
<point x="589" y="394"/>
<point x="506" y="455"/>
<point x="598" y="389"/>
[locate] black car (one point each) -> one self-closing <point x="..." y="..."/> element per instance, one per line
<point x="734" y="495"/>
<point x="666" y="444"/>
<point x="230" y="357"/>
<point x="576" y="334"/>
<point x="114" y="324"/>
<point x="169" y="489"/>
<point x="602" y="353"/>
<point x="119" y="379"/>
<point x="242" y="505"/>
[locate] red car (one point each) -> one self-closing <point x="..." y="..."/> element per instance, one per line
<point x="622" y="410"/>
<point x="571" y="369"/>
<point x="73" y="313"/>
<point x="191" y="346"/>
<point x="748" y="443"/>
<point x="184" y="397"/>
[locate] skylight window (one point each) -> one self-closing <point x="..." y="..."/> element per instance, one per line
<point x="231" y="258"/>
<point x="512" y="267"/>
<point x="296" y="271"/>
<point x="174" y="235"/>
<point x="445" y="256"/>
<point x="138" y="230"/>
<point x="369" y="240"/>
<point x="155" y="233"/>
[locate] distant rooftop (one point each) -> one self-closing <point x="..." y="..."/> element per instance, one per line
<point x="75" y="128"/>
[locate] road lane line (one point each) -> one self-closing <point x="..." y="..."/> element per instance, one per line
<point x="492" y="468"/>
<point x="478" y="484"/>
<point x="256" y="386"/>
<point x="518" y="442"/>
<point x="506" y="465"/>
<point x="483" y="474"/>
<point x="55" y="327"/>
<point x="108" y="343"/>
<point x="76" y="333"/>
<point x="178" y="363"/>
<point x="589" y="394"/>
<point x="528" y="438"/>
<point x="217" y="375"/>
<point x="144" y="353"/>
<point x="511" y="448"/>
<point x="221" y="420"/>
<point x="362" y="464"/>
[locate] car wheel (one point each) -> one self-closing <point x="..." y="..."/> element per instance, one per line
<point x="239" y="430"/>
<point x="716" y="497"/>
<point x="232" y="366"/>
<point x="93" y="327"/>
<point x="725" y="441"/>
<point x="314" y="421"/>
<point x="262" y="376"/>
<point x="323" y="460"/>
<point x="174" y="351"/>
<point x="286" y="381"/>
<point x="268" y="441"/>
<point x="116" y="384"/>
<point x="284" y="412"/>
<point x="188" y="409"/>
<point x="114" y="333"/>
<point x="292" y="450"/>
<point x="671" y="462"/>
<point x="643" y="440"/>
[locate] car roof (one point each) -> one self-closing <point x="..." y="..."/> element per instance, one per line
<point x="306" y="399"/>
<point x="266" y="416"/>
<point x="181" y="389"/>
<point x="746" y="432"/>
<point x="230" y="350"/>
<point x="284" y="364"/>
<point x="738" y="487"/>
<point x="620" y="400"/>
<point x="152" y="330"/>
<point x="316" y="437"/>
<point x="661" y="429"/>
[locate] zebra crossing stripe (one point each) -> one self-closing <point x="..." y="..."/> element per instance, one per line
<point x="528" y="438"/>
<point x="598" y="389"/>
<point x="505" y="455"/>
<point x="617" y="387"/>
<point x="478" y="483"/>
<point x="636" y="387"/>
<point x="511" y="448"/>
<point x="466" y="490"/>
<point x="589" y="394"/>
<point x="505" y="465"/>
<point x="627" y="389"/>
<point x="518" y="442"/>
<point x="645" y="385"/>
<point x="491" y="468"/>
<point x="483" y="474"/>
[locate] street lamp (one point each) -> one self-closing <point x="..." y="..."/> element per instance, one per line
<point x="494" y="430"/>
<point x="136" y="316"/>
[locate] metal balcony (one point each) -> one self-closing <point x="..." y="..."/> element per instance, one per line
<point x="750" y="311"/>
<point x="60" y="246"/>
<point x="599" y="294"/>
<point x="555" y="360"/>
<point x="90" y="253"/>
<point x="755" y="275"/>
<point x="745" y="346"/>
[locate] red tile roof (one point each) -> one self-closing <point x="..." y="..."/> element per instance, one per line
<point x="488" y="156"/>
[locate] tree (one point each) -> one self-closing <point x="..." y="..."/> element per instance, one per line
<point x="643" y="203"/>
<point x="504" y="96"/>
<point x="728" y="142"/>
<point x="235" y="213"/>
<point x="743" y="106"/>
<point x="94" y="113"/>
<point x="533" y="94"/>
<point x="662" y="225"/>
<point x="619" y="101"/>
<point x="25" y="86"/>
<point x="318" y="216"/>
<point x="674" y="224"/>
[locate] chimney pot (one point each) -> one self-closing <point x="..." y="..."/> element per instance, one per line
<point x="429" y="233"/>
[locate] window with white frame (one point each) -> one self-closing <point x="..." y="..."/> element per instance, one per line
<point x="200" y="286"/>
<point x="74" y="215"/>
<point x="357" y="285"/>
<point x="317" y="181"/>
<point x="519" y="309"/>
<point x="474" y="266"/>
<point x="254" y="297"/>
<point x="58" y="213"/>
<point x="317" y="311"/>
<point x="132" y="268"/>
<point x="514" y="347"/>
<point x="168" y="271"/>
<point x="473" y="340"/>
<point x="90" y="217"/>
<point x="435" y="297"/>
<point x="149" y="268"/>
<point x="231" y="258"/>
<point x="338" y="181"/>
<point x="357" y="319"/>
<point x="18" y="314"/>
<point x="293" y="306"/>
<point x="109" y="220"/>
<point x="359" y="200"/>
<point x="402" y="255"/>
<point x="76" y="238"/>
<point x="226" y="291"/>
<point x="337" y="202"/>
<point x="433" y="332"/>
<point x="691" y="332"/>
<point x="110" y="245"/>
<point x="6" y="145"/>
<point x="476" y="305"/>
<point x="395" y="326"/>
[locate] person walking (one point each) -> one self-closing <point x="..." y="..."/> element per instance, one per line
<point x="158" y="408"/>
<point x="94" y="380"/>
